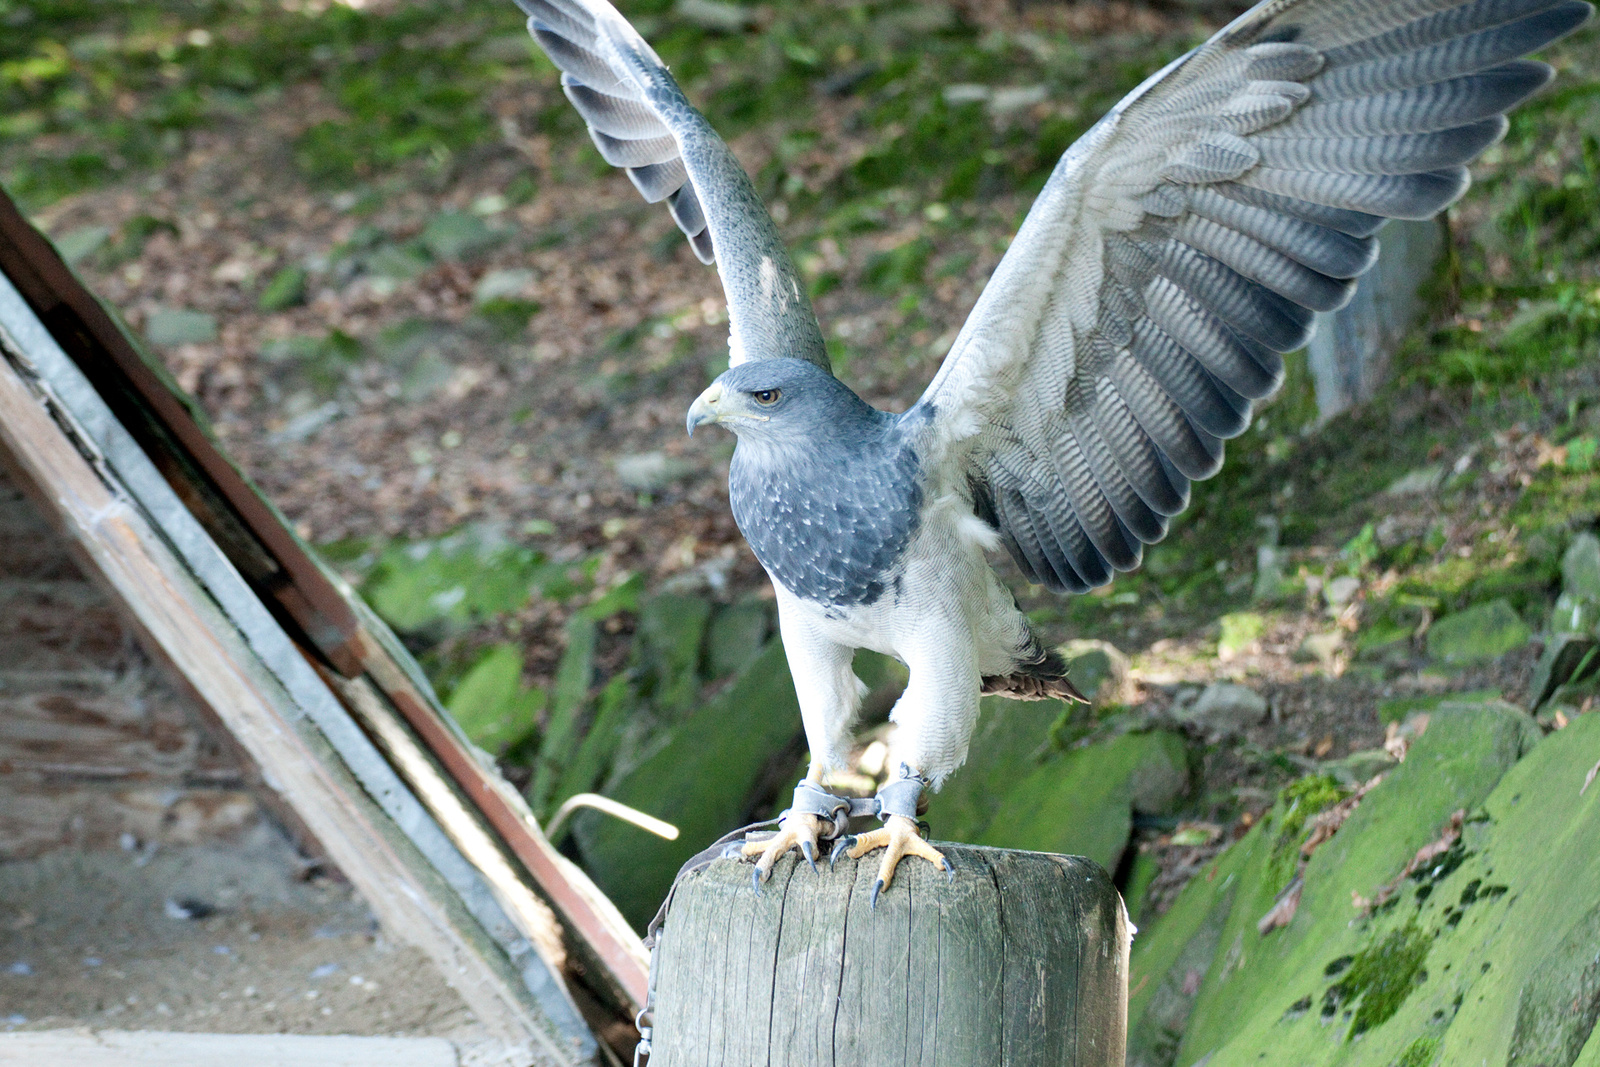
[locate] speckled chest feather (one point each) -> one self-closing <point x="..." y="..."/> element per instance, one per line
<point x="832" y="520"/>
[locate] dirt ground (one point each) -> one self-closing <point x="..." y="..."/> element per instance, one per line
<point x="211" y="939"/>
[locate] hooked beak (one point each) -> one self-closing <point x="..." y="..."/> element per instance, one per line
<point x="704" y="409"/>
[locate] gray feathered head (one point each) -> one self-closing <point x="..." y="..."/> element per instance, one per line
<point x="780" y="401"/>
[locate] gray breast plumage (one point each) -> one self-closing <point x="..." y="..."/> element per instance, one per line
<point x="831" y="521"/>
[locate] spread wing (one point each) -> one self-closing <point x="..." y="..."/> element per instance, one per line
<point x="640" y="120"/>
<point x="1186" y="240"/>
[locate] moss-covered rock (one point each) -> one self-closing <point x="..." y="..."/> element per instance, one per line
<point x="1481" y="632"/>
<point x="1485" y="953"/>
<point x="1016" y="791"/>
<point x="698" y="774"/>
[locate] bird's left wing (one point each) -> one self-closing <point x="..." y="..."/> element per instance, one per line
<point x="1185" y="241"/>
<point x="641" y="121"/>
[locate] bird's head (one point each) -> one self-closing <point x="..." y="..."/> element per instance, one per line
<point x="776" y="400"/>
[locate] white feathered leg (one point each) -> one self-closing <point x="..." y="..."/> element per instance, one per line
<point x="830" y="695"/>
<point x="934" y="719"/>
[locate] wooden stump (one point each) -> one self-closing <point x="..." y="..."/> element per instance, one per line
<point x="1022" y="960"/>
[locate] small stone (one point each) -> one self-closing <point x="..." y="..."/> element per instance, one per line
<point x="715" y="15"/>
<point x="1340" y="591"/>
<point x="1482" y="632"/>
<point x="1239" y="631"/>
<point x="397" y="263"/>
<point x="1578" y="608"/>
<point x="1018" y="98"/>
<point x="501" y="285"/>
<point x="1567" y="657"/>
<point x="965" y="93"/>
<point x="1223" y="710"/>
<point x="75" y="245"/>
<point x="1323" y="648"/>
<point x="457" y="235"/>
<point x="1100" y="670"/>
<point x="170" y="326"/>
<point x="187" y="909"/>
<point x="1418" y="482"/>
<point x="650" y="471"/>
<point x="1580" y="566"/>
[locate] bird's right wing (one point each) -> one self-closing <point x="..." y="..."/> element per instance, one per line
<point x="641" y="121"/>
<point x="1184" y="242"/>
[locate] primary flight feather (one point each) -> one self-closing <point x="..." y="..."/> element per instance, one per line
<point x="1178" y="249"/>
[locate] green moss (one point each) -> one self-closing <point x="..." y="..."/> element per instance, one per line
<point x="1298" y="802"/>
<point x="1419" y="1053"/>
<point x="1238" y="630"/>
<point x="1380" y="978"/>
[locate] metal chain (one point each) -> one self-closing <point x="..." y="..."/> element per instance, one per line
<point x="726" y="846"/>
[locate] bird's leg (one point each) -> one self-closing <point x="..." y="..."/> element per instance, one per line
<point x="813" y="813"/>
<point x="899" y="836"/>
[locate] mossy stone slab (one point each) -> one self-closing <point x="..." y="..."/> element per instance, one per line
<point x="699" y="778"/>
<point x="1078" y="802"/>
<point x="1257" y="998"/>
<point x="1481" y="632"/>
<point x="1590" y="1056"/>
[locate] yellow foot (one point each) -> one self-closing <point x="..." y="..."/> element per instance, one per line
<point x="898" y="838"/>
<point x="795" y="831"/>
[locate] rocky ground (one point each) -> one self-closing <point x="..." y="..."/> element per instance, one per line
<point x="455" y="349"/>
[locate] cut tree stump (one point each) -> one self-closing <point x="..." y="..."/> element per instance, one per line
<point x="1022" y="959"/>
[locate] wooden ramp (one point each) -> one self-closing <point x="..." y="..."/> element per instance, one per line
<point x="345" y="732"/>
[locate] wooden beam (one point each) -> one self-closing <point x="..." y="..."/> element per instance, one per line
<point x="183" y="625"/>
<point x="148" y="1048"/>
<point x="601" y="929"/>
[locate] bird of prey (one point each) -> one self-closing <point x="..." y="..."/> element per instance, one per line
<point x="1178" y="249"/>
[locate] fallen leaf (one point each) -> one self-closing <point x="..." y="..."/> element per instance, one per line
<point x="1325" y="824"/>
<point x="1324" y="747"/>
<point x="1283" y="908"/>
<point x="1425" y="855"/>
<point x="1395" y="743"/>
<point x="1561" y="721"/>
<point x="1436" y="848"/>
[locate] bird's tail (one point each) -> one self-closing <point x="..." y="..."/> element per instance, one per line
<point x="1040" y="674"/>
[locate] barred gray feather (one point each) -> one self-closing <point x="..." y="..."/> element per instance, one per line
<point x="640" y="120"/>
<point x="1255" y="171"/>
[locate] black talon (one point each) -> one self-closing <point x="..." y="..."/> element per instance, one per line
<point x="755" y="880"/>
<point x="844" y="844"/>
<point x="809" y="851"/>
<point x="949" y="870"/>
<point x="877" y="887"/>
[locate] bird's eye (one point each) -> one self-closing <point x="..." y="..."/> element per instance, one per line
<point x="767" y="397"/>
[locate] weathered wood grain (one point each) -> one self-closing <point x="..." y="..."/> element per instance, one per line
<point x="1020" y="960"/>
